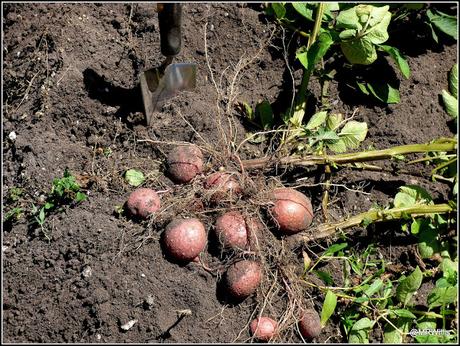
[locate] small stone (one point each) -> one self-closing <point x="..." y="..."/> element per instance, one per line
<point x="12" y="136"/>
<point x="128" y="325"/>
<point x="87" y="272"/>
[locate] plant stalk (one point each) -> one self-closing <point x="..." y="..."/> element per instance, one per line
<point x="364" y="156"/>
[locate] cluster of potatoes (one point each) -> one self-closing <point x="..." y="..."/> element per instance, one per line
<point x="185" y="238"/>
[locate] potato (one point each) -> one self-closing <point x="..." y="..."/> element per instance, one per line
<point x="142" y="202"/>
<point x="264" y="328"/>
<point x="254" y="233"/>
<point x="184" y="239"/>
<point x="231" y="230"/>
<point x="292" y="210"/>
<point x="223" y="185"/>
<point x="243" y="278"/>
<point x="310" y="324"/>
<point x="185" y="162"/>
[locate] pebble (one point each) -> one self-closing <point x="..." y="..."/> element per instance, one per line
<point x="12" y="136"/>
<point x="128" y="325"/>
<point x="87" y="272"/>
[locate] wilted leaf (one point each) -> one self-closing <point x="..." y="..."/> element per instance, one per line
<point x="353" y="133"/>
<point x="348" y="19"/>
<point x="134" y="177"/>
<point x="411" y="195"/>
<point x="408" y="286"/>
<point x="330" y="302"/>
<point x="399" y="59"/>
<point x="333" y="121"/>
<point x="359" y="51"/>
<point x="378" y="33"/>
<point x="316" y="120"/>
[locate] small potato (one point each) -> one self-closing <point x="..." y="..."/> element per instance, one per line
<point x="264" y="328"/>
<point x="292" y="210"/>
<point x="310" y="324"/>
<point x="142" y="202"/>
<point x="231" y="230"/>
<point x="243" y="278"/>
<point x="223" y="185"/>
<point x="184" y="239"/>
<point x="185" y="162"/>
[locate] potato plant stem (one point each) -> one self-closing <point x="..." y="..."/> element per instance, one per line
<point x="312" y="160"/>
<point x="328" y="229"/>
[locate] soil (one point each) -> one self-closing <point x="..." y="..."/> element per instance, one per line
<point x="71" y="97"/>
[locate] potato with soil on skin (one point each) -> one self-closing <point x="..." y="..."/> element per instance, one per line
<point x="292" y="210"/>
<point x="310" y="324"/>
<point x="243" y="278"/>
<point x="223" y="185"/>
<point x="143" y="202"/>
<point x="184" y="239"/>
<point x="185" y="162"/>
<point x="231" y="230"/>
<point x="264" y="328"/>
<point x="254" y="233"/>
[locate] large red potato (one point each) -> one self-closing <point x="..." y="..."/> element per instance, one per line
<point x="184" y="239"/>
<point x="142" y="202"/>
<point x="185" y="162"/>
<point x="292" y="210"/>
<point x="243" y="278"/>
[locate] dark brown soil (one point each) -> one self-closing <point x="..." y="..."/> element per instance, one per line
<point x="71" y="97"/>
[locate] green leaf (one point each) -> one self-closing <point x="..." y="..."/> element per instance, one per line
<point x="326" y="277"/>
<point x="408" y="286"/>
<point x="384" y="92"/>
<point x="348" y="34"/>
<point x="333" y="121"/>
<point x="334" y="248"/>
<point x="428" y="243"/>
<point x="264" y="112"/>
<point x="449" y="270"/>
<point x="446" y="24"/>
<point x="337" y="146"/>
<point x="249" y="111"/>
<point x="353" y="133"/>
<point x="330" y="302"/>
<point x="323" y="135"/>
<point x="450" y="103"/>
<point x="309" y="58"/>
<point x="370" y="291"/>
<point x="404" y="313"/>
<point x="316" y="120"/>
<point x="392" y="335"/>
<point x="279" y="9"/>
<point x="453" y="81"/>
<point x="378" y="34"/>
<point x="359" y="333"/>
<point x="359" y="51"/>
<point x="427" y="323"/>
<point x="41" y="216"/>
<point x="411" y="195"/>
<point x="80" y="197"/>
<point x="363" y="88"/>
<point x="348" y="19"/>
<point x="433" y="33"/>
<point x="399" y="59"/>
<point x="303" y="9"/>
<point x="441" y="296"/>
<point x="134" y="177"/>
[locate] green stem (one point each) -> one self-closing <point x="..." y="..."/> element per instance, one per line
<point x="373" y="216"/>
<point x="364" y="156"/>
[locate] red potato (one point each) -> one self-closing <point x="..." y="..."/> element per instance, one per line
<point x="223" y="185"/>
<point x="292" y="210"/>
<point x="231" y="230"/>
<point x="310" y="324"/>
<point x="142" y="202"/>
<point x="264" y="328"/>
<point x="185" y="162"/>
<point x="243" y="278"/>
<point x="184" y="239"/>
